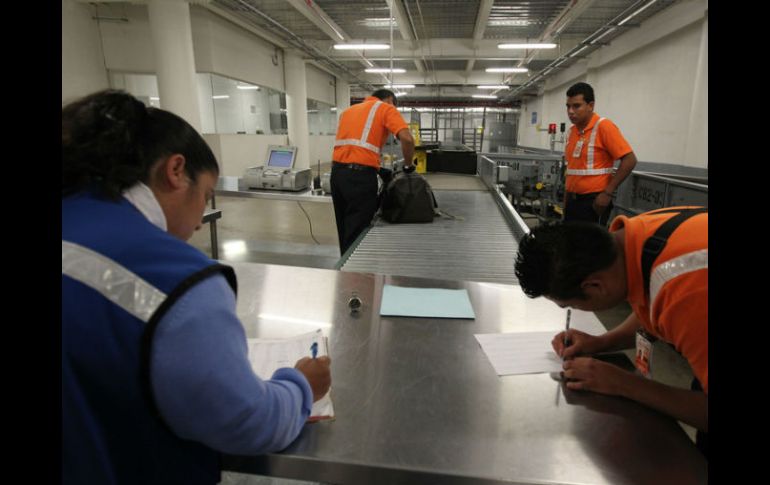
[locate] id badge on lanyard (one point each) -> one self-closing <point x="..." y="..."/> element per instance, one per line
<point x="578" y="148"/>
<point x="643" y="361"/>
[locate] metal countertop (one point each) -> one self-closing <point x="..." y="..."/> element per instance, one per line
<point x="417" y="401"/>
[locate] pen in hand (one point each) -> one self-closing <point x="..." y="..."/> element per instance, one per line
<point x="566" y="330"/>
<point x="314" y="349"/>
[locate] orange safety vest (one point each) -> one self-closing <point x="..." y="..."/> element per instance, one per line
<point x="363" y="130"/>
<point x="676" y="308"/>
<point x="590" y="155"/>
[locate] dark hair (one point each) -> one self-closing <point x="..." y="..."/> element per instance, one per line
<point x="554" y="260"/>
<point x="582" y="88"/>
<point x="383" y="94"/>
<point x="110" y="141"/>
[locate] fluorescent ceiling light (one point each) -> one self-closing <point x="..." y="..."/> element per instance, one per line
<point x="378" y="22"/>
<point x="526" y="46"/>
<point x="154" y="98"/>
<point x="507" y="22"/>
<point x="399" y="93"/>
<point x="507" y="69"/>
<point x="223" y="96"/>
<point x="247" y="87"/>
<point x="399" y="86"/>
<point x="493" y="86"/>
<point x="348" y="47"/>
<point x="484" y="96"/>
<point x="385" y="69"/>
<point x="334" y="108"/>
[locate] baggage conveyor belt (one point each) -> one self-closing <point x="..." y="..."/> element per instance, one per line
<point x="479" y="245"/>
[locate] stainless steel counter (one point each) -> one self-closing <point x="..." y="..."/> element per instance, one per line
<point x="234" y="187"/>
<point x="417" y="401"/>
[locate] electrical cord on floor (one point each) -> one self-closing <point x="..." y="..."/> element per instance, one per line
<point x="308" y="221"/>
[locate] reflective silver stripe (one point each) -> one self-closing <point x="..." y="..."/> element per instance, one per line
<point x="113" y="281"/>
<point x="669" y="270"/>
<point x="591" y="143"/>
<point x="594" y="171"/>
<point x="365" y="134"/>
<point x="369" y="121"/>
<point x="368" y="146"/>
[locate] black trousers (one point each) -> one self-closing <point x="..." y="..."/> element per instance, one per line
<point x="582" y="209"/>
<point x="354" y="195"/>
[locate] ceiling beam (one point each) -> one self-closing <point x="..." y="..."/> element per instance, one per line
<point x="485" y="7"/>
<point x="449" y="48"/>
<point x="439" y="77"/>
<point x="320" y="19"/>
<point x="405" y="28"/>
<point x="553" y="30"/>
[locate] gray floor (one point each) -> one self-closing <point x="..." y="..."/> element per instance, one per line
<point x="279" y="232"/>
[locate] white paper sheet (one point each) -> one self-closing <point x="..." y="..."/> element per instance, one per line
<point x="268" y="355"/>
<point x="520" y="352"/>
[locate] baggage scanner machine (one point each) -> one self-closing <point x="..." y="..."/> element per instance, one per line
<point x="278" y="173"/>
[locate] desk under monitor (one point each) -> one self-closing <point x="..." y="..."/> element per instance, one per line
<point x="417" y="401"/>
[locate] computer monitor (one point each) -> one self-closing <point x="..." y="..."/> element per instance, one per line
<point x="281" y="156"/>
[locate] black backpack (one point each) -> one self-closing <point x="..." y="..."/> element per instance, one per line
<point x="408" y="198"/>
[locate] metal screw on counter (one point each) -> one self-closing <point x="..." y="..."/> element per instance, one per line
<point x="355" y="303"/>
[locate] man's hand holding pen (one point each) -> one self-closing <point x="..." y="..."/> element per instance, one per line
<point x="572" y="343"/>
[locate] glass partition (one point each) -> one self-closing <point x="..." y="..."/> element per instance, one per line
<point x="321" y="118"/>
<point x="226" y="105"/>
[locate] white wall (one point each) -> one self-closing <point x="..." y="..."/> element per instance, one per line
<point x="82" y="62"/>
<point x="225" y="48"/>
<point x="127" y="45"/>
<point x="652" y="82"/>
<point x="528" y="132"/>
<point x="321" y="148"/>
<point x="320" y="85"/>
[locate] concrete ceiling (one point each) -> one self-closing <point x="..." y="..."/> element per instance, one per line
<point x="444" y="45"/>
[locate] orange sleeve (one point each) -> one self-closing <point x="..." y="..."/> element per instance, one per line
<point x="393" y="120"/>
<point x="612" y="140"/>
<point x="683" y="320"/>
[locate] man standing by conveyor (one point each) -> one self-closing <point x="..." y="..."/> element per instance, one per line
<point x="363" y="130"/>
<point x="593" y="145"/>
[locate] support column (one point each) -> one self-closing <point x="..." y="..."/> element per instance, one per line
<point x="343" y="97"/>
<point x="296" y="108"/>
<point x="174" y="59"/>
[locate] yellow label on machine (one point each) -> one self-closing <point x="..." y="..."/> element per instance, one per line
<point x="421" y="161"/>
<point x="415" y="129"/>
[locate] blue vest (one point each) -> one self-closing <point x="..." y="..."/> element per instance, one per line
<point x="111" y="429"/>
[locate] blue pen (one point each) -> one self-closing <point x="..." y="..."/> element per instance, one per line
<point x="314" y="349"/>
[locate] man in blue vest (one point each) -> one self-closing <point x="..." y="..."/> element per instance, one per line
<point x="155" y="376"/>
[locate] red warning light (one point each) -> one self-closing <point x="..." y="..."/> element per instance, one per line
<point x="551" y="128"/>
